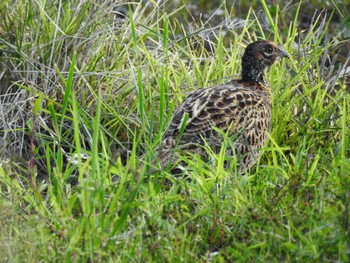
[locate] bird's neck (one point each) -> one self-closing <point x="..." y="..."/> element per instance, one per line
<point x="253" y="73"/>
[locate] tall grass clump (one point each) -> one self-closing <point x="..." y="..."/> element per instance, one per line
<point x="87" y="89"/>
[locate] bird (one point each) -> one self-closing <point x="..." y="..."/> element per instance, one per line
<point x="239" y="109"/>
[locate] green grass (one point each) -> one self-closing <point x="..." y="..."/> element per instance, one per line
<point x="84" y="96"/>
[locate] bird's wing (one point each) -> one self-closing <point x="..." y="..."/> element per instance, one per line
<point x="227" y="106"/>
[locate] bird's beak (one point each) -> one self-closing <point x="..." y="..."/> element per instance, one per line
<point x="282" y="53"/>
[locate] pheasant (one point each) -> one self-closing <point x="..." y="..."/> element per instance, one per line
<point x="241" y="109"/>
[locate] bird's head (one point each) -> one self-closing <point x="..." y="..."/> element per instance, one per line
<point x="258" y="56"/>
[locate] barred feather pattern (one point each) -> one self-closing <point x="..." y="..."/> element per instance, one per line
<point x="240" y="110"/>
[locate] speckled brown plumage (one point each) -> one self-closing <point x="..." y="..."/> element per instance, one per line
<point x="240" y="108"/>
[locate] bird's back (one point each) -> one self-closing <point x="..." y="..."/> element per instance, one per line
<point x="239" y="109"/>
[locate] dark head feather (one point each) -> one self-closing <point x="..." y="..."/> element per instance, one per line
<point x="257" y="57"/>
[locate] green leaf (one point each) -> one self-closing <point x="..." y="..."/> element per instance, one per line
<point x="37" y="105"/>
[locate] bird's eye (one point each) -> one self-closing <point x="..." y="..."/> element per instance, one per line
<point x="269" y="50"/>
